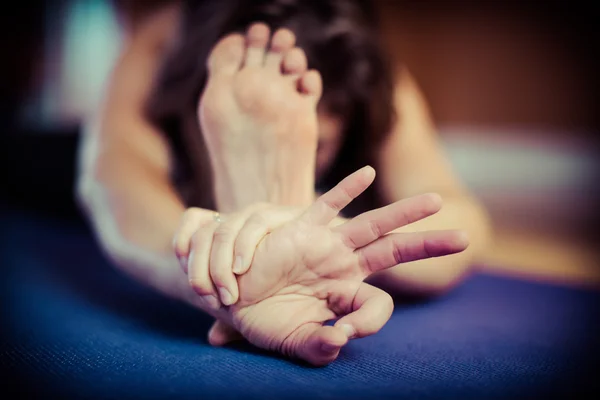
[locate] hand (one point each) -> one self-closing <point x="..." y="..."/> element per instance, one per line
<point x="225" y="247"/>
<point x="305" y="273"/>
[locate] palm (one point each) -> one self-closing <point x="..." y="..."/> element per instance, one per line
<point x="300" y="275"/>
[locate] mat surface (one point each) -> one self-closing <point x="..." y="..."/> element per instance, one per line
<point x="73" y="325"/>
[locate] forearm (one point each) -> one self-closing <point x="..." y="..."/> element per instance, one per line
<point x="135" y="214"/>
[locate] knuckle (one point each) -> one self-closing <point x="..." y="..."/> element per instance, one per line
<point x="387" y="303"/>
<point x="253" y="209"/>
<point x="407" y="217"/>
<point x="260" y="206"/>
<point x="219" y="274"/>
<point x="398" y="253"/>
<point x="201" y="286"/>
<point x="224" y="234"/>
<point x="190" y="213"/>
<point x="258" y="219"/>
<point x="375" y="229"/>
<point x="201" y="235"/>
<point x="244" y="247"/>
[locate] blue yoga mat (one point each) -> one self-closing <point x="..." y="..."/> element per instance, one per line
<point x="75" y="327"/>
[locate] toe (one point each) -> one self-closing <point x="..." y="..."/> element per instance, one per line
<point x="311" y="84"/>
<point x="283" y="40"/>
<point x="227" y="56"/>
<point x="294" y="62"/>
<point x="257" y="38"/>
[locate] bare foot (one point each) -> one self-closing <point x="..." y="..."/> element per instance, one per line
<point x="258" y="116"/>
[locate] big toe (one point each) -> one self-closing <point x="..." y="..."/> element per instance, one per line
<point x="227" y="55"/>
<point x="257" y="38"/>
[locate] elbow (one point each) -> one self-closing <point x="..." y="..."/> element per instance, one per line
<point x="441" y="281"/>
<point x="435" y="277"/>
<point x="83" y="193"/>
<point x="90" y="195"/>
<point x="423" y="280"/>
<point x="446" y="282"/>
<point x="109" y="234"/>
<point x="86" y="186"/>
<point x="454" y="272"/>
<point x="483" y="232"/>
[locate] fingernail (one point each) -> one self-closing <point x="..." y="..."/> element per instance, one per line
<point x="237" y="266"/>
<point x="212" y="301"/>
<point x="329" y="348"/>
<point x="348" y="330"/>
<point x="226" y="297"/>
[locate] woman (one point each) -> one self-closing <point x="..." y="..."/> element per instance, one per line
<point x="153" y="150"/>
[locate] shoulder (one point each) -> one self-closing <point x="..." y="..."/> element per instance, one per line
<point x="153" y="25"/>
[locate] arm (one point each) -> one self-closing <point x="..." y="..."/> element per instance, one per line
<point x="123" y="184"/>
<point x="412" y="162"/>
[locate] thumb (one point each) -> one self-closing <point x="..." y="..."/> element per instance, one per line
<point x="220" y="334"/>
<point x="315" y="343"/>
<point x="371" y="309"/>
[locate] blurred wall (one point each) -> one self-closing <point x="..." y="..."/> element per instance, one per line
<point x="21" y="41"/>
<point x="79" y="43"/>
<point x="499" y="63"/>
<point x="478" y="64"/>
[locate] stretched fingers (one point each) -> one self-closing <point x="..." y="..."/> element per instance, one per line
<point x="371" y="225"/>
<point x="329" y="205"/>
<point x="398" y="248"/>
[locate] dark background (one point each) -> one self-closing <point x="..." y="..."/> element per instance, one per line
<point x="511" y="85"/>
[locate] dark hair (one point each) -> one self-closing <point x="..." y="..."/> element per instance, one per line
<point x="341" y="41"/>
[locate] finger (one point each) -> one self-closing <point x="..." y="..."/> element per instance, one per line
<point x="315" y="343"/>
<point x="220" y="334"/>
<point x="370" y="226"/>
<point x="371" y="308"/>
<point x="190" y="221"/>
<point x="198" y="274"/>
<point x="253" y="231"/>
<point x="221" y="258"/>
<point x="329" y="205"/>
<point x="398" y="248"/>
